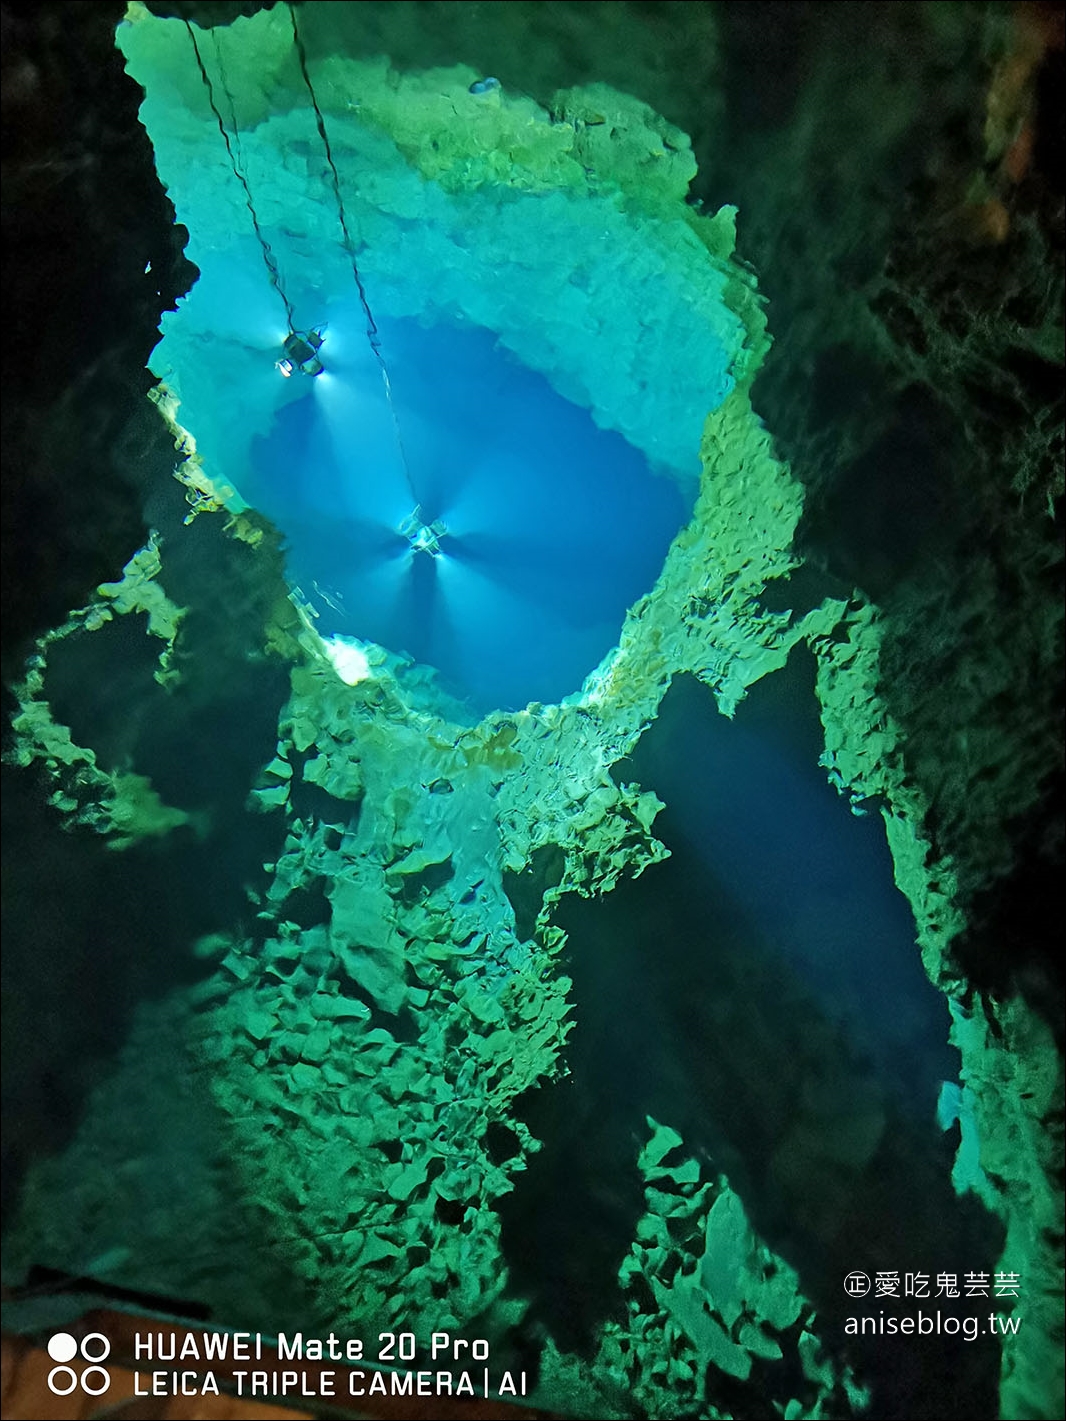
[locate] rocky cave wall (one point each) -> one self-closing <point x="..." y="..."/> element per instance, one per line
<point x="957" y="730"/>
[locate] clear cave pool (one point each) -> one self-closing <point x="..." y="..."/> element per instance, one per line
<point x="552" y="525"/>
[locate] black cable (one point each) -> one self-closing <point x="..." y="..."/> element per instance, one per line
<point x="268" y="254"/>
<point x="229" y="100"/>
<point x="349" y="246"/>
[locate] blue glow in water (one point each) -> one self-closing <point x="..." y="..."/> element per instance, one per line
<point x="555" y="526"/>
<point x="748" y="800"/>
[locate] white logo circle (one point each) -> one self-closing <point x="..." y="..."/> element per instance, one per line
<point x="62" y="1347"/>
<point x="105" y="1349"/>
<point x="104" y="1380"/>
<point x="53" y="1384"/>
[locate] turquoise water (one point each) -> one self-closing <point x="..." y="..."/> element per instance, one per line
<point x="554" y="525"/>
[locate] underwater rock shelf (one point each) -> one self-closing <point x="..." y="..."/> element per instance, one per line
<point x="369" y="1083"/>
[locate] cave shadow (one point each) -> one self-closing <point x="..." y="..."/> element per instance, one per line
<point x="688" y="1010"/>
<point x="95" y="930"/>
<point x="204" y="1251"/>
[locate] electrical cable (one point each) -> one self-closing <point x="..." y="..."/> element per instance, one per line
<point x="349" y="246"/>
<point x="268" y="253"/>
<point x="229" y="99"/>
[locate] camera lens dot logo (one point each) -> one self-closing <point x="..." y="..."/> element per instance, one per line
<point x="94" y="1348"/>
<point x="62" y="1347"/>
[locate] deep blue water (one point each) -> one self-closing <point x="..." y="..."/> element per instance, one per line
<point x="555" y="526"/>
<point x="747" y="800"/>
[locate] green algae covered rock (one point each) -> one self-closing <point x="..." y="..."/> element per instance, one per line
<point x="381" y="1046"/>
<point x="378" y="1047"/>
<point x="724" y="1303"/>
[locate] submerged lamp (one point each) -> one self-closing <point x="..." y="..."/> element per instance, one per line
<point x="423" y="537"/>
<point x="348" y="658"/>
<point x="300" y="353"/>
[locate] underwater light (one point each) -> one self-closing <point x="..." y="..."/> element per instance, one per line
<point x="423" y="537"/>
<point x="348" y="658"/>
<point x="300" y="352"/>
